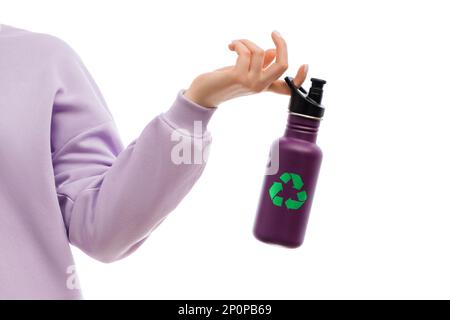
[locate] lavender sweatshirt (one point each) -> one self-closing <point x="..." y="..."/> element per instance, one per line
<point x="66" y="178"/>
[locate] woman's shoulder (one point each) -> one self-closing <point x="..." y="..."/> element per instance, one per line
<point x="10" y="31"/>
<point x="42" y="43"/>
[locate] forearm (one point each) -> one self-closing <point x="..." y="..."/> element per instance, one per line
<point x="113" y="215"/>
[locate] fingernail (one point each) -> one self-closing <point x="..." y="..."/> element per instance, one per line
<point x="306" y="68"/>
<point x="277" y="33"/>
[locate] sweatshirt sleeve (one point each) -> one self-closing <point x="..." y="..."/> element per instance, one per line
<point x="112" y="197"/>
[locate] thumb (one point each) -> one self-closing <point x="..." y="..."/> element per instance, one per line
<point x="301" y="75"/>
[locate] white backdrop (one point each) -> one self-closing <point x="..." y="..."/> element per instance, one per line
<point x="380" y="219"/>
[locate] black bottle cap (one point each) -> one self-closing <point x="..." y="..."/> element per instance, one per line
<point x="306" y="104"/>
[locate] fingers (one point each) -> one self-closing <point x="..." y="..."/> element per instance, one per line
<point x="277" y="69"/>
<point x="281" y="87"/>
<point x="254" y="67"/>
<point x="301" y="75"/>
<point x="244" y="56"/>
<point x="269" y="56"/>
<point x="257" y="56"/>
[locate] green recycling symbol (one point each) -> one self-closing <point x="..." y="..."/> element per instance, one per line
<point x="297" y="184"/>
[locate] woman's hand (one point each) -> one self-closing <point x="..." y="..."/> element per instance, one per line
<point x="254" y="72"/>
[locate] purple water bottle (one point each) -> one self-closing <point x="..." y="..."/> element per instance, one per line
<point x="287" y="195"/>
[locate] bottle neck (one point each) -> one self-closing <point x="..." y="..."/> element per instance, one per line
<point x="302" y="128"/>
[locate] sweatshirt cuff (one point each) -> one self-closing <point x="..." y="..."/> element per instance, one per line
<point x="184" y="113"/>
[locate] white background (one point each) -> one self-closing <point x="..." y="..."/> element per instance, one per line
<point x="380" y="222"/>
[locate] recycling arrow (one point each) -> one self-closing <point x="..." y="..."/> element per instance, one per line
<point x="297" y="184"/>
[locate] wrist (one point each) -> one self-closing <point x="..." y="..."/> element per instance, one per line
<point x="199" y="99"/>
<point x="184" y="114"/>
